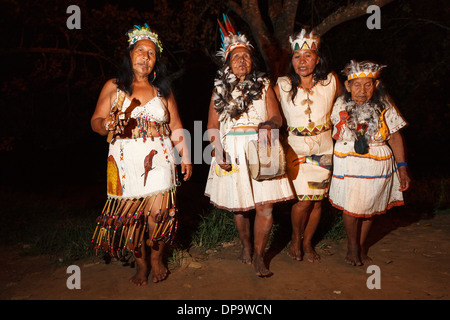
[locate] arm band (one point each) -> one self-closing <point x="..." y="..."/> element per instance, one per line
<point x="402" y="164"/>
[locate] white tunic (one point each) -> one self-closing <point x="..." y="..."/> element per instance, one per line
<point x="365" y="185"/>
<point x="127" y="177"/>
<point x="235" y="190"/>
<point x="311" y="181"/>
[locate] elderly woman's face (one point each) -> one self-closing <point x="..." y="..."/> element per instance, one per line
<point x="143" y="57"/>
<point x="304" y="62"/>
<point x="241" y="62"/>
<point x="361" y="89"/>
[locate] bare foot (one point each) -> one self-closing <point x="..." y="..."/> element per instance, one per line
<point x="246" y="256"/>
<point x="313" y="256"/>
<point x="352" y="256"/>
<point x="353" y="260"/>
<point x="294" y="250"/>
<point x="260" y="267"/>
<point x="141" y="276"/>
<point x="159" y="271"/>
<point x="365" y="259"/>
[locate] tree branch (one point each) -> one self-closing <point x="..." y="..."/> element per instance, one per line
<point x="346" y="13"/>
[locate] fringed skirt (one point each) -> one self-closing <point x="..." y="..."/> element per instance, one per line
<point x="235" y="190"/>
<point x="364" y="185"/>
<point x="141" y="179"/>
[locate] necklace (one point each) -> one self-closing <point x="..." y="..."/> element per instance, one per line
<point x="309" y="102"/>
<point x="240" y="86"/>
<point x="250" y="90"/>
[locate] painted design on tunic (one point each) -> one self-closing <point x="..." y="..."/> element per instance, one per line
<point x="114" y="186"/>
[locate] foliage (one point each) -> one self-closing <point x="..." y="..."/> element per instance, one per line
<point x="45" y="228"/>
<point x="216" y="227"/>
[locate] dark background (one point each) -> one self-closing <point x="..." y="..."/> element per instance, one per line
<point x="51" y="78"/>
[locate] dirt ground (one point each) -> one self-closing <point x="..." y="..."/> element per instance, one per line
<point x="413" y="256"/>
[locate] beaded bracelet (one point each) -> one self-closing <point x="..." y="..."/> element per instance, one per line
<point x="402" y="164"/>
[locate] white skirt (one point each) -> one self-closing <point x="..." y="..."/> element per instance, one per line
<point x="364" y="185"/>
<point x="311" y="181"/>
<point x="235" y="190"/>
<point x="138" y="168"/>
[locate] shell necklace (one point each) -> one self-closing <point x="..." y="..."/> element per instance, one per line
<point x="309" y="102"/>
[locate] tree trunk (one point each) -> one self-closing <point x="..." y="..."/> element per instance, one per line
<point x="274" y="47"/>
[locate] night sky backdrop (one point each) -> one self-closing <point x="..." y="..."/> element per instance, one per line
<point x="51" y="78"/>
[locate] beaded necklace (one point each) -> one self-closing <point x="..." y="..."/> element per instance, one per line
<point x="144" y="125"/>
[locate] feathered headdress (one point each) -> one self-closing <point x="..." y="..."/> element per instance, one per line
<point x="362" y="69"/>
<point x="143" y="32"/>
<point x="304" y="41"/>
<point x="230" y="39"/>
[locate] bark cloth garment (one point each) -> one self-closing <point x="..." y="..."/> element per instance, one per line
<point x="235" y="190"/>
<point x="139" y="168"/>
<point x="365" y="185"/>
<point x="309" y="144"/>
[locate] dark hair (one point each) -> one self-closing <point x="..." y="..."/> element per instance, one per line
<point x="380" y="95"/>
<point x="125" y="76"/>
<point x="320" y="73"/>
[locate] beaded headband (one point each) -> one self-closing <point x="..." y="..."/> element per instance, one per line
<point x="140" y="33"/>
<point x="231" y="39"/>
<point x="304" y="41"/>
<point x="362" y="69"/>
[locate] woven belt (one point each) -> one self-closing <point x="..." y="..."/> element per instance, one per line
<point x="305" y="131"/>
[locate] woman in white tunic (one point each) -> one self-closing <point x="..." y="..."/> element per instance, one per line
<point x="307" y="95"/>
<point x="243" y="103"/>
<point x="139" y="113"/>
<point x="370" y="172"/>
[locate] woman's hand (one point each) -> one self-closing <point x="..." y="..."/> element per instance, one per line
<point x="265" y="132"/>
<point x="186" y="170"/>
<point x="398" y="148"/>
<point x="405" y="180"/>
<point x="223" y="161"/>
<point x="222" y="158"/>
<point x="107" y="123"/>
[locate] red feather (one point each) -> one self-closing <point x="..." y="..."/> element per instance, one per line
<point x="228" y="25"/>
<point x="222" y="29"/>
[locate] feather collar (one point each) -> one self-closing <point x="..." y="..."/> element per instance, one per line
<point x="364" y="119"/>
<point x="249" y="90"/>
